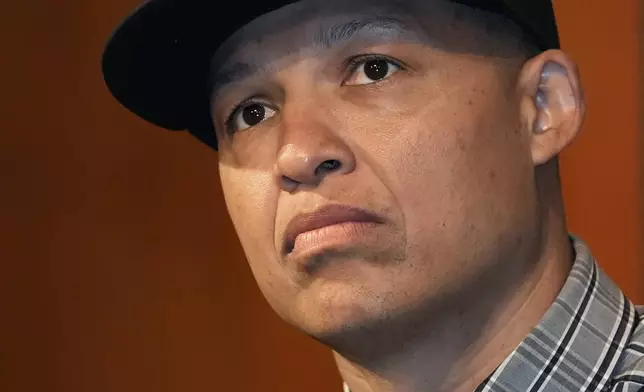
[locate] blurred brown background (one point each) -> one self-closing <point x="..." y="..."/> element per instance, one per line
<point x="119" y="268"/>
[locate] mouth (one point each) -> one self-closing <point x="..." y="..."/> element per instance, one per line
<point x="332" y="225"/>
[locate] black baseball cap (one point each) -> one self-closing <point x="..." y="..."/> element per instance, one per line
<point x="157" y="61"/>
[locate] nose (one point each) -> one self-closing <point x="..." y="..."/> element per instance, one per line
<point x="311" y="150"/>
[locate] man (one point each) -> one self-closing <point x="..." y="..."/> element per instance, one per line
<point x="391" y="170"/>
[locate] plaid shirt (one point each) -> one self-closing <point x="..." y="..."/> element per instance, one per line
<point x="591" y="339"/>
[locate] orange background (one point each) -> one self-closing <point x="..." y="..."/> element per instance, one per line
<point x="120" y="269"/>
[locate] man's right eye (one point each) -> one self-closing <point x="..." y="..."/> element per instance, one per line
<point x="248" y="115"/>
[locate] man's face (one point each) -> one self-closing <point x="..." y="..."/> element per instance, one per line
<point x="400" y="112"/>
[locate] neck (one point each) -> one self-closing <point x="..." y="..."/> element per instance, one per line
<point x="466" y="345"/>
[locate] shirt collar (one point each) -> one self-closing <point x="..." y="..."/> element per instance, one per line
<point x="578" y="342"/>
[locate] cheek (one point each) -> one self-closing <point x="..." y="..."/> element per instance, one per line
<point x="251" y="201"/>
<point x="457" y="165"/>
<point x="251" y="198"/>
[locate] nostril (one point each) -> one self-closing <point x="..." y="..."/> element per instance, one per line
<point x="289" y="184"/>
<point x="328" y="166"/>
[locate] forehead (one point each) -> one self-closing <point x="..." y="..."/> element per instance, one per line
<point x="314" y="25"/>
<point x="309" y="28"/>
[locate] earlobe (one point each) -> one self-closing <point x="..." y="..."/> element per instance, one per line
<point x="556" y="104"/>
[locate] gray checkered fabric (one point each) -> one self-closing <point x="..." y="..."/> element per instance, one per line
<point x="591" y="339"/>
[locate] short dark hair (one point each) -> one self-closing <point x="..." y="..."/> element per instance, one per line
<point x="485" y="32"/>
<point x="498" y="29"/>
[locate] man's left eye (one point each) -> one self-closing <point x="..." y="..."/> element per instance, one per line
<point x="372" y="71"/>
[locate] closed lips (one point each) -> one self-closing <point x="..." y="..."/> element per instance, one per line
<point x="326" y="216"/>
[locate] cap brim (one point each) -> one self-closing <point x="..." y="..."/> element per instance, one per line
<point x="156" y="61"/>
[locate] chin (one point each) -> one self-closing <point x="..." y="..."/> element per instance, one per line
<point x="338" y="332"/>
<point x="351" y="334"/>
<point x="338" y="314"/>
<point x="352" y="318"/>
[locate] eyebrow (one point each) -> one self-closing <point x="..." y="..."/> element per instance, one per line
<point x="326" y="38"/>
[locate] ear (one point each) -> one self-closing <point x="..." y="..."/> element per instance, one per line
<point x="552" y="103"/>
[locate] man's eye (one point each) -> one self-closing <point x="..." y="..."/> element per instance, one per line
<point x="371" y="71"/>
<point x="249" y="115"/>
